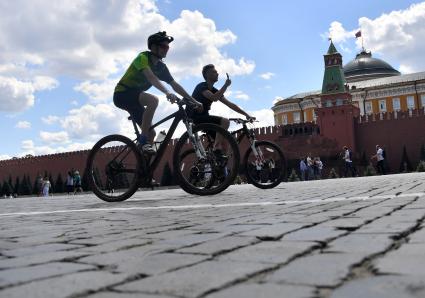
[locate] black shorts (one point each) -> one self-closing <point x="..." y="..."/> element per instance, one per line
<point x="198" y="119"/>
<point x="207" y="119"/>
<point x="128" y="100"/>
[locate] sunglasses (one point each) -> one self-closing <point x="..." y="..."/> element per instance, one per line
<point x="164" y="46"/>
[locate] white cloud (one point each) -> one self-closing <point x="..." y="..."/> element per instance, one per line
<point x="23" y="124"/>
<point x="28" y="147"/>
<point x="267" y="75"/>
<point x="91" y="122"/>
<point x="49" y="120"/>
<point x="241" y="95"/>
<point x="276" y="99"/>
<point x="54" y="137"/>
<point x="94" y="40"/>
<point x="74" y="103"/>
<point x="338" y="33"/>
<point x="97" y="92"/>
<point x="5" y="157"/>
<point x="396" y="36"/>
<point x="18" y="95"/>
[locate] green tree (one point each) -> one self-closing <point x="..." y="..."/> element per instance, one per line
<point x="405" y="165"/>
<point x="6" y="189"/>
<point x="59" y="185"/>
<point x="17" y="185"/>
<point x="363" y="160"/>
<point x="421" y="166"/>
<point x="293" y="176"/>
<point x="422" y="153"/>
<point x="25" y="187"/>
<point x="37" y="186"/>
<point x="52" y="183"/>
<point x="333" y="174"/>
<point x="370" y="171"/>
<point x="85" y="183"/>
<point x="167" y="176"/>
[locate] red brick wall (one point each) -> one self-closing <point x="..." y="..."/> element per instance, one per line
<point x="393" y="131"/>
<point x="296" y="141"/>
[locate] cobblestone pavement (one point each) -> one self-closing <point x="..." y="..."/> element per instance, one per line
<point x="354" y="237"/>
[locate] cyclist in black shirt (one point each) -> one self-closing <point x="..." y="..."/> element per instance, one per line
<point x="206" y="94"/>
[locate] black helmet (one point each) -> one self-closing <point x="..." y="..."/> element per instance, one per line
<point x="158" y="38"/>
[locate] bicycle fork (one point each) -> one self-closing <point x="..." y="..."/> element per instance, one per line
<point x="196" y="143"/>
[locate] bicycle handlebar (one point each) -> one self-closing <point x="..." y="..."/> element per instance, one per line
<point x="242" y="121"/>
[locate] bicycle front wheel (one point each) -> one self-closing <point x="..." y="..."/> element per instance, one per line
<point x="214" y="170"/>
<point x="265" y="167"/>
<point x="114" y="168"/>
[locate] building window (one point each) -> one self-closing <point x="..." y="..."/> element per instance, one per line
<point x="328" y="103"/>
<point x="423" y="100"/>
<point x="396" y="104"/>
<point x="383" y="105"/>
<point x="339" y="102"/>
<point x="284" y="119"/>
<point x="410" y="102"/>
<point x="297" y="118"/>
<point x="368" y="107"/>
<point x="305" y="116"/>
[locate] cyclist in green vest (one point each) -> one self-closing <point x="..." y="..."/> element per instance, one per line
<point x="148" y="69"/>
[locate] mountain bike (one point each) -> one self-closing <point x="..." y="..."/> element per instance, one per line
<point x="264" y="164"/>
<point x="118" y="166"/>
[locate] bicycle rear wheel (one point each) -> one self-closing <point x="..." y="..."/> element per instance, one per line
<point x="114" y="168"/>
<point x="266" y="167"/>
<point x="211" y="173"/>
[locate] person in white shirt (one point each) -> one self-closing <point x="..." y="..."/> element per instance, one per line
<point x="380" y="159"/>
<point x="347" y="156"/>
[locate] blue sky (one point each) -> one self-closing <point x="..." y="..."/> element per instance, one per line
<point x="59" y="61"/>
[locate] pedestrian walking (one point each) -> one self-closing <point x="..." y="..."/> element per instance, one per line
<point x="46" y="187"/>
<point x="318" y="166"/>
<point x="303" y="169"/>
<point x="379" y="156"/>
<point x="40" y="182"/>
<point x="69" y="183"/>
<point x="310" y="167"/>
<point x="77" y="182"/>
<point x="348" y="162"/>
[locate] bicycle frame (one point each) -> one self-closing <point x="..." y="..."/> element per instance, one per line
<point x="244" y="131"/>
<point x="178" y="116"/>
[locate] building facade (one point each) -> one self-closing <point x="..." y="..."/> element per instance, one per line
<point x="374" y="85"/>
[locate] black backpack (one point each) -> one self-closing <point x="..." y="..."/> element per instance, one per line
<point x="350" y="154"/>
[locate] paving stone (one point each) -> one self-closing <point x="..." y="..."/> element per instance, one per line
<point x="408" y="260"/>
<point x="217" y="246"/>
<point x="383" y="287"/>
<point x="316" y="233"/>
<point x="116" y="245"/>
<point x="196" y="280"/>
<point x="64" y="286"/>
<point x="126" y="295"/>
<point x="25" y="274"/>
<point x="274" y="231"/>
<point x="360" y="243"/>
<point x="50" y="247"/>
<point x="274" y="252"/>
<point x="316" y="270"/>
<point x="146" y="260"/>
<point x="264" y="290"/>
<point x="40" y="258"/>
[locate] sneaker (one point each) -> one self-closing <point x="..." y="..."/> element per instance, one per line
<point x="220" y="156"/>
<point x="147" y="148"/>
